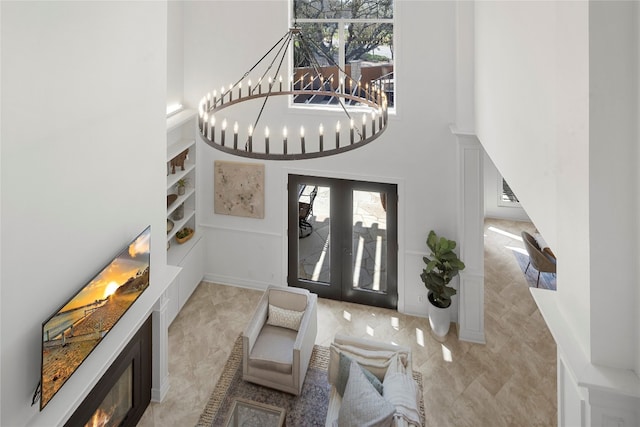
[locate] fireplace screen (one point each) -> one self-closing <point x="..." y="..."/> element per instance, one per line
<point x="116" y="404"/>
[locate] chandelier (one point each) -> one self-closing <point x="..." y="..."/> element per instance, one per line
<point x="364" y="106"/>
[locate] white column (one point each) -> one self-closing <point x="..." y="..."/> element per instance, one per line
<point x="471" y="238"/>
<point x="160" y="370"/>
<point x="470" y="228"/>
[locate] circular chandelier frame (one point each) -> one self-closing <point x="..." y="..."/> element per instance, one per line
<point x="372" y="100"/>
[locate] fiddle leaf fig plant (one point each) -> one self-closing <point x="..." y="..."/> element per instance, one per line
<point x="442" y="265"/>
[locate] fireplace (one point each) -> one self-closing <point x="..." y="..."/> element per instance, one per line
<point x="124" y="392"/>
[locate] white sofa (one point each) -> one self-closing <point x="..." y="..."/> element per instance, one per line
<point x="391" y="365"/>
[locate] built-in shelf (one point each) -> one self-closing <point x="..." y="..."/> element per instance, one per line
<point x="180" y="118"/>
<point x="189" y="256"/>
<point x="180" y="138"/>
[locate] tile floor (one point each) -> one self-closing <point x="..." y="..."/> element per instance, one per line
<point x="510" y="381"/>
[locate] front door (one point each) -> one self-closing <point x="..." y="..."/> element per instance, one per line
<point x="343" y="239"/>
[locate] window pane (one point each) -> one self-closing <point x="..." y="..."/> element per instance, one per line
<point x="369" y="241"/>
<point x="314" y="247"/>
<point x="323" y="44"/>
<point x="343" y="9"/>
<point x="368" y="59"/>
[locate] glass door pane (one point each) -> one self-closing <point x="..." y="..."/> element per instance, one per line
<point x="369" y="241"/>
<point x="314" y="233"/>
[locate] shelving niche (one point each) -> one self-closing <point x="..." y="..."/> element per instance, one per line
<point x="181" y="136"/>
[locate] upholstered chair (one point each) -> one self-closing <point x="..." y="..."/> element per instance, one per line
<point x="540" y="260"/>
<point x="278" y="341"/>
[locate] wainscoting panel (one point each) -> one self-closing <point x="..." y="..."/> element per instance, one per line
<point x="250" y="259"/>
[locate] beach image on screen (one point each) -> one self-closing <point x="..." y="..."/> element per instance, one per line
<point x="76" y="329"/>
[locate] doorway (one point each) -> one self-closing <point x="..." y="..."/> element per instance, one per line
<point x="342" y="239"/>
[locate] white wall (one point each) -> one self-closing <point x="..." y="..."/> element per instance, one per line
<point x="175" y="49"/>
<point x="83" y="165"/>
<point x="637" y="321"/>
<point x="557" y="103"/>
<point x="532" y="119"/>
<point x="492" y="191"/>
<point x="613" y="148"/>
<point x="417" y="151"/>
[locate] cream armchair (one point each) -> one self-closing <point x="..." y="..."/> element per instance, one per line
<point x="278" y="341"/>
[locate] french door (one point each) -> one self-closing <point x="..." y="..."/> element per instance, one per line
<point x="343" y="239"/>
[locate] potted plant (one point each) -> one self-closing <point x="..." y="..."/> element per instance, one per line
<point x="182" y="182"/>
<point x="184" y="235"/>
<point x="442" y="265"/>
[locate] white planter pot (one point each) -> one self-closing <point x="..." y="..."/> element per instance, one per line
<point x="440" y="320"/>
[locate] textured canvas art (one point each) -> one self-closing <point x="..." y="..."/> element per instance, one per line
<point x="238" y="189"/>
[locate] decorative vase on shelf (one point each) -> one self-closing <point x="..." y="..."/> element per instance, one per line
<point x="178" y="214"/>
<point x="181" y="184"/>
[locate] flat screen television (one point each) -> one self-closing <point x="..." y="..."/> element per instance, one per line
<point x="72" y="332"/>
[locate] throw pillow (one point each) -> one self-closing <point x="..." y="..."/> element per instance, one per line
<point x="343" y="375"/>
<point x="361" y="403"/>
<point x="402" y="392"/>
<point x="284" y="318"/>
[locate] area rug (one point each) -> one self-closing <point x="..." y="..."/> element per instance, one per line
<point x="308" y="409"/>
<point x="547" y="280"/>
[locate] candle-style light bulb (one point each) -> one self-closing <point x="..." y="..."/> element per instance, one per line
<point x="221" y="95"/>
<point x="249" y="83"/>
<point x="208" y="100"/>
<point x="284" y="140"/>
<point x="364" y="126"/>
<point x="250" y="140"/>
<point x="373" y="122"/>
<point x="302" y="148"/>
<point x="235" y="135"/>
<point x="230" y="92"/>
<point x="280" y="81"/>
<point x="270" y="83"/>
<point x="351" y="123"/>
<point x="321" y="131"/>
<point x="266" y="140"/>
<point x="215" y="96"/>
<point x="240" y="90"/>
<point x="224" y="128"/>
<point x="337" y="134"/>
<point x="212" y="128"/>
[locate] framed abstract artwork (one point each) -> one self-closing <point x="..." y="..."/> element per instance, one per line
<point x="238" y="189"/>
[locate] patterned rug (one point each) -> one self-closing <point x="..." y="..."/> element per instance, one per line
<point x="308" y="409"/>
<point x="547" y="280"/>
